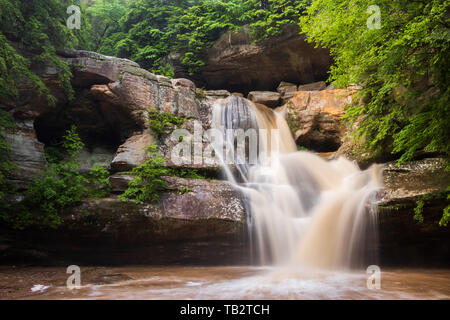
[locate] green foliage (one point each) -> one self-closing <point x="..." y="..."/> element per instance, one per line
<point x="189" y="173"/>
<point x="403" y="68"/>
<point x="151" y="29"/>
<point x="148" y="182"/>
<point x="6" y="165"/>
<point x="99" y="185"/>
<point x="39" y="27"/>
<point x="165" y="70"/>
<point x="104" y="16"/>
<point x="72" y="142"/>
<point x="163" y="122"/>
<point x="60" y="185"/>
<point x="418" y="210"/>
<point x="271" y="21"/>
<point x="446" y="215"/>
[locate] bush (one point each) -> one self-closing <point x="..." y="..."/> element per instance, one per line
<point x="148" y="183"/>
<point x="60" y="186"/>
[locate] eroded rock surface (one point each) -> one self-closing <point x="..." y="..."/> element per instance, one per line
<point x="190" y="209"/>
<point x="403" y="239"/>
<point x="315" y="118"/>
<point x="237" y="63"/>
<point x="267" y="98"/>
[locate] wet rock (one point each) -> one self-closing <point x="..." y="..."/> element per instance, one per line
<point x="191" y="209"/>
<point x="413" y="179"/>
<point x="404" y="240"/>
<point x="315" y="118"/>
<point x="267" y="98"/>
<point x="315" y="86"/>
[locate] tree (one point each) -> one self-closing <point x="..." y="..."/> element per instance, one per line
<point x="403" y="67"/>
<point x="105" y="16"/>
<point x="39" y="27"/>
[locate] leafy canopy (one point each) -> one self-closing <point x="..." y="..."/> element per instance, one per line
<point x="152" y="29"/>
<point x="38" y="27"/>
<point x="403" y="67"/>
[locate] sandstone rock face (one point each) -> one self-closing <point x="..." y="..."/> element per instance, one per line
<point x="217" y="94"/>
<point x="131" y="154"/>
<point x="314" y="118"/>
<point x="111" y="97"/>
<point x="26" y="152"/>
<point x="405" y="241"/>
<point x="191" y="209"/>
<point x="119" y="182"/>
<point x="414" y="179"/>
<point x="320" y="85"/>
<point x="93" y="68"/>
<point x="237" y="63"/>
<point x="267" y="98"/>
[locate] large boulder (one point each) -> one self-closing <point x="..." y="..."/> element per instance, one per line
<point x="286" y="90"/>
<point x="237" y="62"/>
<point x="190" y="209"/>
<point x="267" y="98"/>
<point x="315" y="118"/>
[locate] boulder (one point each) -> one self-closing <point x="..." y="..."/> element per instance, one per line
<point x="97" y="156"/>
<point x="286" y="90"/>
<point x="267" y="98"/>
<point x="119" y="182"/>
<point x="315" y="86"/>
<point x="217" y="94"/>
<point x="132" y="153"/>
<point x="190" y="209"/>
<point x="314" y="118"/>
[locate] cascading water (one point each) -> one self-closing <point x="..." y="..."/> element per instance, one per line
<point x="304" y="210"/>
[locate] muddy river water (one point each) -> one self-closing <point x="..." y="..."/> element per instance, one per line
<point x="221" y="283"/>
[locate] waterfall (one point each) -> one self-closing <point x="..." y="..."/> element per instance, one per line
<point x="302" y="210"/>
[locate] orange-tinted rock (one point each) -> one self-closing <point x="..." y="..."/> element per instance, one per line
<point x="314" y="117"/>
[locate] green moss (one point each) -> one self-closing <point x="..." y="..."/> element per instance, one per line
<point x="161" y="123"/>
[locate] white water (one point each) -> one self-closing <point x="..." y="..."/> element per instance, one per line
<point x="304" y="211"/>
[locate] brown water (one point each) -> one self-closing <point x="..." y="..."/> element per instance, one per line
<point x="226" y="283"/>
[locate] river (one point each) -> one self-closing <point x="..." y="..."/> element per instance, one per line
<point x="185" y="282"/>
